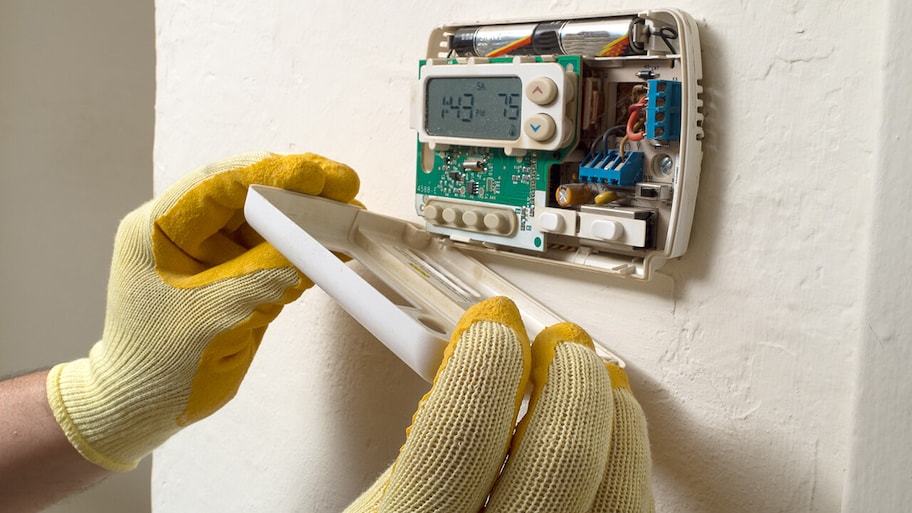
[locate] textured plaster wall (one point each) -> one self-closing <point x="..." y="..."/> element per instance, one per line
<point x="744" y="353"/>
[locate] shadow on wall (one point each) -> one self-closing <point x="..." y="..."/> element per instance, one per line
<point x="708" y="214"/>
<point x="704" y="468"/>
<point x="723" y="470"/>
<point x="382" y="390"/>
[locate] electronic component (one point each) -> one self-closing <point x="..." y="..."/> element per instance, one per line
<point x="568" y="195"/>
<point x="605" y="197"/>
<point x="663" y="111"/>
<point x="583" y="134"/>
<point x="473" y="165"/>
<point x="658" y="191"/>
<point x="613" y="168"/>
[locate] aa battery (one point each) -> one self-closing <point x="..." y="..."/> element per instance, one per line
<point x="602" y="37"/>
<point x="591" y="37"/>
<point x="494" y="41"/>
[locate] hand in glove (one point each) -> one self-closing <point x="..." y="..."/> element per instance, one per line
<point x="581" y="447"/>
<point x="191" y="292"/>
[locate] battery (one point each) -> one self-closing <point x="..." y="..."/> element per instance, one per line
<point x="493" y="41"/>
<point x="600" y="38"/>
<point x="605" y="37"/>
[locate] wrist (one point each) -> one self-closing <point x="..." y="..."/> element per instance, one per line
<point x="112" y="428"/>
<point x="39" y="466"/>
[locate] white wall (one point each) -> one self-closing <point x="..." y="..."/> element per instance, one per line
<point x="76" y="113"/>
<point x="744" y="353"/>
<point x="879" y="466"/>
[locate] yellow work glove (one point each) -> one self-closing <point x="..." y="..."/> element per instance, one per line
<point x="581" y="447"/>
<point x="191" y="292"/>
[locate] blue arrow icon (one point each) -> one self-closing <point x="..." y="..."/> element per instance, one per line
<point x="535" y="127"/>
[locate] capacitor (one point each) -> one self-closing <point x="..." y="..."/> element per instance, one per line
<point x="605" y="197"/>
<point x="572" y="194"/>
<point x="601" y="37"/>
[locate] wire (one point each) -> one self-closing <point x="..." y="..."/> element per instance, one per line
<point x="615" y="130"/>
<point x="667" y="33"/>
<point x="633" y="132"/>
<point x="621" y="146"/>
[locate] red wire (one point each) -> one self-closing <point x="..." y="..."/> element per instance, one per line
<point x="635" y="111"/>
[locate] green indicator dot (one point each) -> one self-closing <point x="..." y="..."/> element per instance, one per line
<point x="538" y="242"/>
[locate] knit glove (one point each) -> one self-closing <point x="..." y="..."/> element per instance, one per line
<point x="191" y="292"/>
<point x="581" y="447"/>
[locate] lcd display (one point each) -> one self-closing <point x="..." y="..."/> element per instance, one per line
<point x="474" y="107"/>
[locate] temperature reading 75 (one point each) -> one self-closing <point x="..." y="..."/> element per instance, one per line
<point x="511" y="105"/>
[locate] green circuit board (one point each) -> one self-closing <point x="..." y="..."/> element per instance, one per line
<point x="487" y="175"/>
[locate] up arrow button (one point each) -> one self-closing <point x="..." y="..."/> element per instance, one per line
<point x="541" y="91"/>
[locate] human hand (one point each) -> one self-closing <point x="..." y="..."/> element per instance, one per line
<point x="191" y="292"/>
<point x="581" y="447"/>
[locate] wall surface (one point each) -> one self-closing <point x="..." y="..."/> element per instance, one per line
<point x="744" y="353"/>
<point x="77" y="86"/>
<point x="879" y="467"/>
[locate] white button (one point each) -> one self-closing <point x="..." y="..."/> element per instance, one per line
<point x="432" y="213"/>
<point x="540" y="127"/>
<point x="452" y="215"/>
<point x="496" y="222"/>
<point x="541" y="91"/>
<point x="473" y="218"/>
<point x="550" y="222"/>
<point x="607" y="230"/>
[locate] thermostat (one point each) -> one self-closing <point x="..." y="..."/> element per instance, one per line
<point x="574" y="142"/>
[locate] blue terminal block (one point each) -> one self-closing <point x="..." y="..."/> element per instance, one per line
<point x="663" y="110"/>
<point x="611" y="169"/>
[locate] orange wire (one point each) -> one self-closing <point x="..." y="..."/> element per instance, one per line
<point x="635" y="110"/>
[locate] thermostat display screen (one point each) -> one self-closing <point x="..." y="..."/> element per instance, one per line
<point x="474" y="107"/>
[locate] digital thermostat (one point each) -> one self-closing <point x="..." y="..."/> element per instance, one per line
<point x="513" y="105"/>
<point x="576" y="141"/>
